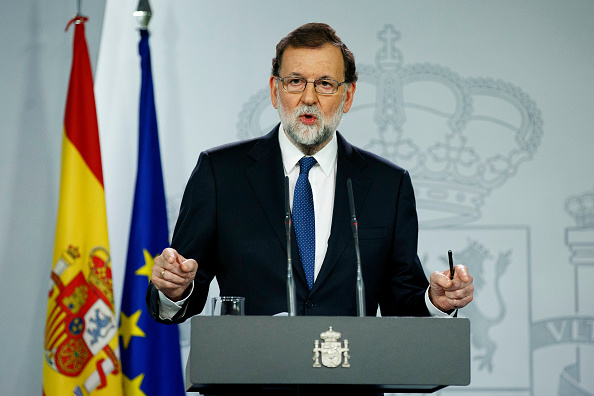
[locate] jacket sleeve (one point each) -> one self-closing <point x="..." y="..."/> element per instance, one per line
<point x="194" y="237"/>
<point x="404" y="294"/>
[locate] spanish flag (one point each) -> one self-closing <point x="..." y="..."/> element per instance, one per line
<point x="81" y="353"/>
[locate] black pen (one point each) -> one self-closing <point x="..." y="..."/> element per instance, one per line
<point x="451" y="264"/>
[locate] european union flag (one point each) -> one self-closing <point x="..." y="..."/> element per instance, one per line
<point x="150" y="352"/>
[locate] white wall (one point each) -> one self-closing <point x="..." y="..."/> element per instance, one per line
<point x="523" y="69"/>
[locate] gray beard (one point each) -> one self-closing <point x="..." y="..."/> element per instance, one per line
<point x="309" y="138"/>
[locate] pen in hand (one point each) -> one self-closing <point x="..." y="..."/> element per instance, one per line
<point x="451" y="260"/>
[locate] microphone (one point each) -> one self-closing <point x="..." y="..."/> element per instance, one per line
<point x="291" y="306"/>
<point x="360" y="285"/>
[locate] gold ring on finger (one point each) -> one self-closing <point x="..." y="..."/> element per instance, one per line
<point x="163" y="274"/>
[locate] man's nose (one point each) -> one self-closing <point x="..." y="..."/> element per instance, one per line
<point x="309" y="96"/>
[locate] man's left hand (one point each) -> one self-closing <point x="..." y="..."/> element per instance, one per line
<point x="449" y="294"/>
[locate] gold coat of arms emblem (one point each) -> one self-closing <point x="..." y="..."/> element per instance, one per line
<point x="331" y="350"/>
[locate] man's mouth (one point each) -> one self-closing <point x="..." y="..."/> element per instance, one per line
<point x="308" y="119"/>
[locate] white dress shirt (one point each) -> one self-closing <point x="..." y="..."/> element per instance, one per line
<point x="322" y="178"/>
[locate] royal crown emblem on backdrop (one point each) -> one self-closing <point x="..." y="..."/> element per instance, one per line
<point x="580" y="239"/>
<point x="581" y="208"/>
<point x="460" y="138"/>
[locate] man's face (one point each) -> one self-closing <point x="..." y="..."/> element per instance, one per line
<point x="310" y="119"/>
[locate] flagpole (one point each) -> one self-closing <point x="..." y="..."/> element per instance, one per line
<point x="143" y="14"/>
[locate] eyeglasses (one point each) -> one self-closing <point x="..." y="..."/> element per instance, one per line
<point x="323" y="86"/>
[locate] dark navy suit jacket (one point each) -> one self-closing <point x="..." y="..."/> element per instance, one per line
<point x="231" y="222"/>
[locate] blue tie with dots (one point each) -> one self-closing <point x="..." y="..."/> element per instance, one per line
<point x="304" y="220"/>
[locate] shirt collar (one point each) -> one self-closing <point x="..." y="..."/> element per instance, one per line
<point x="291" y="155"/>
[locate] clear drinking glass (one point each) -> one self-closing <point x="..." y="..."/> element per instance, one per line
<point x="228" y="305"/>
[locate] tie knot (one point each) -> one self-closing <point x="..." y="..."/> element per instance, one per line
<point x="306" y="164"/>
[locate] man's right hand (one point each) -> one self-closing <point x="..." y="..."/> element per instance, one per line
<point x="172" y="274"/>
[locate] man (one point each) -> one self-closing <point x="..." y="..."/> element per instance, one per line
<point x="231" y="222"/>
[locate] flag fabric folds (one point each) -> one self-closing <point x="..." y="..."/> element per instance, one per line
<point x="81" y="354"/>
<point x="151" y="361"/>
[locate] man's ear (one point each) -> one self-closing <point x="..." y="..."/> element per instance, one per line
<point x="348" y="102"/>
<point x="273" y="91"/>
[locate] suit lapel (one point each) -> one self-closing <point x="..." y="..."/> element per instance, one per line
<point x="349" y="165"/>
<point x="266" y="177"/>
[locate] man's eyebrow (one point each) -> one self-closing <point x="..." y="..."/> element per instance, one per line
<point x="295" y="75"/>
<point x="324" y="77"/>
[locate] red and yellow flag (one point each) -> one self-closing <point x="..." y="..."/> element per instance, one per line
<point x="81" y="354"/>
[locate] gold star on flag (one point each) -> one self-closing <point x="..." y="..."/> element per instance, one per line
<point x="147" y="268"/>
<point x="129" y="327"/>
<point x="132" y="387"/>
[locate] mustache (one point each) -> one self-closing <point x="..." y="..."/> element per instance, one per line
<point x="308" y="109"/>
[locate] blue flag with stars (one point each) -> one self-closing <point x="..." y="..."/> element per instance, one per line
<point x="150" y="352"/>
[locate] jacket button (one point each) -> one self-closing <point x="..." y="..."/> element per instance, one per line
<point x="309" y="304"/>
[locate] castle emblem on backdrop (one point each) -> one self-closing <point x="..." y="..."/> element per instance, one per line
<point x="460" y="138"/>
